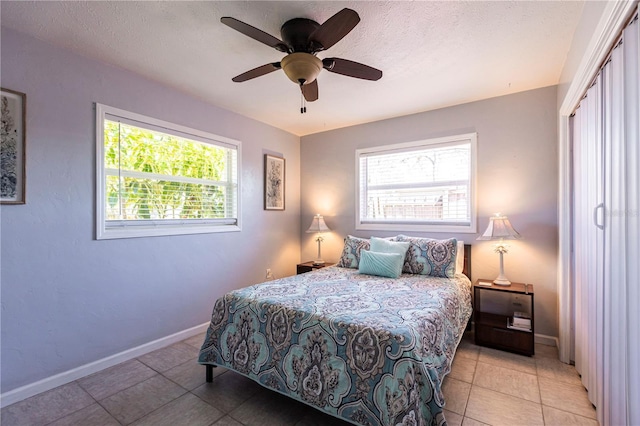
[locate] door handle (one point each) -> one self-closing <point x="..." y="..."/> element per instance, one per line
<point x="595" y="215"/>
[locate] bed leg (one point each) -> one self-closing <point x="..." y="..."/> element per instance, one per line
<point x="209" y="368"/>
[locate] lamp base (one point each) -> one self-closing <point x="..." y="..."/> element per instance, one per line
<point x="319" y="260"/>
<point x="501" y="281"/>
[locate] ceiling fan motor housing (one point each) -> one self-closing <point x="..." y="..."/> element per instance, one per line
<point x="301" y="68"/>
<point x="295" y="33"/>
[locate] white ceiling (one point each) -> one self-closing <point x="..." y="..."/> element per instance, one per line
<point x="433" y="54"/>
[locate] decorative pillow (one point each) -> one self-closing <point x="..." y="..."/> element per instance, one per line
<point x="381" y="264"/>
<point x="460" y="257"/>
<point x="430" y="257"/>
<point x="350" y="257"/>
<point x="381" y="245"/>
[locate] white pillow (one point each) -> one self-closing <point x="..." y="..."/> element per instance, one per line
<point x="460" y="257"/>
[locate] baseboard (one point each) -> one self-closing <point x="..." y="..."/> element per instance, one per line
<point x="69" y="376"/>
<point x="543" y="339"/>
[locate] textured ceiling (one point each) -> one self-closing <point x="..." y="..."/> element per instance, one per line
<point x="432" y="54"/>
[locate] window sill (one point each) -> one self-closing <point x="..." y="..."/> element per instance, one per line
<point x="161" y="231"/>
<point x="463" y="229"/>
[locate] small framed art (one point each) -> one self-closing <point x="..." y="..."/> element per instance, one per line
<point x="12" y="149"/>
<point x="274" y="182"/>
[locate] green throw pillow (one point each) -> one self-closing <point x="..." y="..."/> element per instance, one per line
<point x="381" y="264"/>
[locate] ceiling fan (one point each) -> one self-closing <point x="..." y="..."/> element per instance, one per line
<point x="302" y="39"/>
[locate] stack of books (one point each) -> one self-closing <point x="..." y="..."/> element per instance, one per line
<point x="520" y="321"/>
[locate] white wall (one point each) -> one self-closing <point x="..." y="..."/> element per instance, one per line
<point x="68" y="299"/>
<point x="592" y="12"/>
<point x="517" y="175"/>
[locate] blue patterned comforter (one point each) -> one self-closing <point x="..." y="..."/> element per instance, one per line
<point x="370" y="350"/>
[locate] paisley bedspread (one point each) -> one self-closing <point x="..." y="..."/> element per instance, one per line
<point x="367" y="349"/>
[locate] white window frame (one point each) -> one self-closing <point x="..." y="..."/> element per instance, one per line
<point x="414" y="226"/>
<point x="128" y="229"/>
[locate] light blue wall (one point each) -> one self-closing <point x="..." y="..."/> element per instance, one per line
<point x="68" y="299"/>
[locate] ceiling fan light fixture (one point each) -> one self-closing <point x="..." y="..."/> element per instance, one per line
<point x="302" y="39"/>
<point x="301" y="68"/>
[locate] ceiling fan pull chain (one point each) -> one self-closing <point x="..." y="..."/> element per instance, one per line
<point x="303" y="102"/>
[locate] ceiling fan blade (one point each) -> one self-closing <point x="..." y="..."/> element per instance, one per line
<point x="351" y="69"/>
<point x="255" y="33"/>
<point x="257" y="72"/>
<point x="334" y="29"/>
<point x="310" y="91"/>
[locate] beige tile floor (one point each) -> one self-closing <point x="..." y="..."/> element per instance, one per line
<point x="167" y="387"/>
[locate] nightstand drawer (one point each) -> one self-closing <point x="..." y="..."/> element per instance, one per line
<point x="501" y="338"/>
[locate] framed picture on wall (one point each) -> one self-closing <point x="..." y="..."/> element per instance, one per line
<point x="12" y="149"/>
<point x="274" y="181"/>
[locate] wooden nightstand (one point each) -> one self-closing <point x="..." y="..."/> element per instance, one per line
<point x="494" y="308"/>
<point x="309" y="266"/>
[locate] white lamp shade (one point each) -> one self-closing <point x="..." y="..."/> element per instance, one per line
<point x="318" y="225"/>
<point x="500" y="229"/>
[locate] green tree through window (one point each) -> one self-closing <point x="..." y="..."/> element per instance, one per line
<point x="154" y="175"/>
<point x="157" y="178"/>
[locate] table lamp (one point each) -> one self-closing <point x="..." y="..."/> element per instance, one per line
<point x="500" y="229"/>
<point x="318" y="226"/>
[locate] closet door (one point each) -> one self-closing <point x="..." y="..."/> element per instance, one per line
<point x="606" y="235"/>
<point x="588" y="237"/>
<point x="621" y="99"/>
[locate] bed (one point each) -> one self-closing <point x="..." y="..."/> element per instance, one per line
<point x="368" y="349"/>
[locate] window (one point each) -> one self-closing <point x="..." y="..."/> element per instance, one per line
<point x="158" y="178"/>
<point x="418" y="186"/>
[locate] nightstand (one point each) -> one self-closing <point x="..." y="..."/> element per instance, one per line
<point x="495" y="308"/>
<point x="309" y="266"/>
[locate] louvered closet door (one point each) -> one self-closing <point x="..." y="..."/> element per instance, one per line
<point x="588" y="238"/>
<point x="606" y="235"/>
<point x="621" y="137"/>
